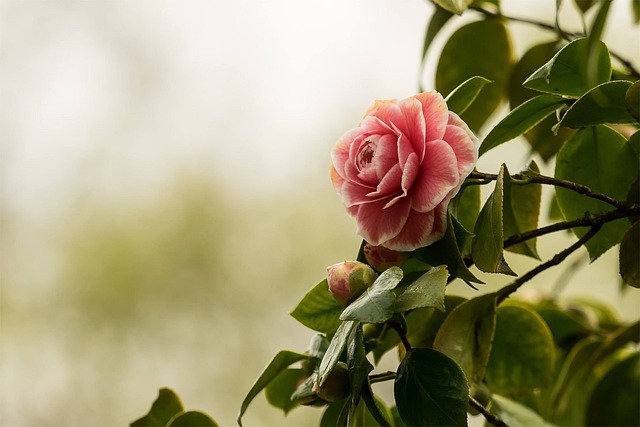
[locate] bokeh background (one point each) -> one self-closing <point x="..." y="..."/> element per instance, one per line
<point x="165" y="198"/>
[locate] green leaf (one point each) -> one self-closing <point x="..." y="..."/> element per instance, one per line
<point x="541" y="139"/>
<point x="634" y="144"/>
<point x="522" y="354"/>
<point x="584" y="5"/>
<point x="521" y="119"/>
<point x="446" y="251"/>
<point x="426" y="291"/>
<point x="602" y="104"/>
<point x="318" y="310"/>
<point x="192" y="419"/>
<point x="629" y="256"/>
<point x="601" y="159"/>
<point x="438" y="19"/>
<point x="595" y="35"/>
<point x="465" y="207"/>
<point x="331" y="415"/>
<point x="166" y="405"/>
<point x="488" y="53"/>
<point x="431" y="390"/>
<point x="521" y="208"/>
<point x="515" y="414"/>
<point x="632" y="100"/>
<point x="376" y="304"/>
<point x="487" y="244"/>
<point x="336" y="347"/>
<point x="635" y="10"/>
<point x="454" y="6"/>
<point x="279" y="363"/>
<point x="280" y="389"/>
<point x="463" y="96"/>
<point x="615" y="401"/>
<point x="359" y="367"/>
<point x="566" y="73"/>
<point x="377" y="411"/>
<point x="566" y="326"/>
<point x="466" y="335"/>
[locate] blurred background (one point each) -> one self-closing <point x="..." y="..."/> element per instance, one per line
<point x="165" y="199"/>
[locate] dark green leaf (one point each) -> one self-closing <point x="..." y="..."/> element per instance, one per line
<point x="331" y="415"/>
<point x="376" y="304"/>
<point x="635" y="9"/>
<point x="632" y="100"/>
<point x="615" y="401"/>
<point x="466" y="335"/>
<point x="465" y="207"/>
<point x="280" y="362"/>
<point x="601" y="159"/>
<point x="318" y="310"/>
<point x="431" y="390"/>
<point x="192" y="419"/>
<point x="463" y="96"/>
<point x="336" y="347"/>
<point x="595" y="36"/>
<point x="634" y="144"/>
<point x="521" y="119"/>
<point x="446" y="251"/>
<point x="630" y="256"/>
<point x="279" y="390"/>
<point x="438" y="19"/>
<point x="566" y="73"/>
<point x="426" y="291"/>
<point x="566" y="326"/>
<point x="602" y="104"/>
<point x="488" y="53"/>
<point x="514" y="414"/>
<point x="359" y="367"/>
<point x="521" y="209"/>
<point x="487" y="244"/>
<point x="166" y="405"/>
<point x="522" y="353"/>
<point x="376" y="409"/>
<point x="454" y="6"/>
<point x="584" y="5"/>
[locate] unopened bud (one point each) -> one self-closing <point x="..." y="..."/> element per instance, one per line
<point x="381" y="258"/>
<point x="336" y="386"/>
<point x="348" y="280"/>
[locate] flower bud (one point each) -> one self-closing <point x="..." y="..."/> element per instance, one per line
<point x="336" y="386"/>
<point x="348" y="280"/>
<point x="381" y="258"/>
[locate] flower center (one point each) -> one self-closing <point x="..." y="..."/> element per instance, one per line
<point x="365" y="156"/>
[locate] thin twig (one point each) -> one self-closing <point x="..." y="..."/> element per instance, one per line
<point x="491" y="418"/>
<point x="383" y="376"/>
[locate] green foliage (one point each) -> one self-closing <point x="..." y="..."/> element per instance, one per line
<point x="629" y="256"/>
<point x="318" y="310"/>
<point x="167" y="411"/>
<point x="604" y="103"/>
<point x="463" y="96"/>
<point x="376" y="304"/>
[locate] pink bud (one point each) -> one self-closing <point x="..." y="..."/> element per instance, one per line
<point x="381" y="258"/>
<point x="348" y="280"/>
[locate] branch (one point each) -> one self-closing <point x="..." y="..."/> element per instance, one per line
<point x="383" y="376"/>
<point x="534" y="178"/>
<point x="491" y="419"/>
<point x="586" y="221"/>
<point x="569" y="36"/>
<point x="557" y="259"/>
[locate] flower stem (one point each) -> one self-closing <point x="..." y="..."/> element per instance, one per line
<point x="491" y="418"/>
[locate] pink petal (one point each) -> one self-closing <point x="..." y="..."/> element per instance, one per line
<point x="386" y="155"/>
<point x="355" y="194"/>
<point x="464" y="147"/>
<point x="389" y="185"/>
<point x="406" y="117"/>
<point x="438" y="175"/>
<point x="336" y="180"/>
<point x="434" y="109"/>
<point x="421" y="229"/>
<point x="377" y="225"/>
<point x="409" y="174"/>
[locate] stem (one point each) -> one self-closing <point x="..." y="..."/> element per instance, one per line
<point x="381" y="377"/>
<point x="586" y="221"/>
<point x="529" y="178"/>
<point x="569" y="36"/>
<point x="492" y="419"/>
<point x="557" y="259"/>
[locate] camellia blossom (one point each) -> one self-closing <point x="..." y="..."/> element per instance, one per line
<point x="397" y="171"/>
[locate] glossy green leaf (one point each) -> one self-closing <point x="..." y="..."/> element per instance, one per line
<point x="634" y="144"/>
<point x="465" y="207"/>
<point x="454" y="6"/>
<point x="359" y="367"/>
<point x="521" y="209"/>
<point x="566" y="73"/>
<point x="615" y="400"/>
<point x="514" y="414"/>
<point x="566" y="326"/>
<point x="431" y="390"/>
<point x="521" y="119"/>
<point x="541" y="139"/>
<point x="336" y="347"/>
<point x="446" y="251"/>
<point x="487" y="244"/>
<point x="280" y="389"/>
<point x="487" y="52"/>
<point x="437" y="21"/>
<point x="376" y="304"/>
<point x="463" y="96"/>
<point x="602" y="104"/>
<point x="279" y="363"/>
<point x="165" y="407"/>
<point x="601" y="159"/>
<point x="632" y="100"/>
<point x="192" y="419"/>
<point x="318" y="310"/>
<point x="584" y="5"/>
<point x="426" y="291"/>
<point x="629" y="256"/>
<point x="331" y="415"/>
<point x="522" y="354"/>
<point x="466" y="335"/>
<point x="594" y="38"/>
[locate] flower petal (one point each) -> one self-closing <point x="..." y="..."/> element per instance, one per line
<point x="355" y="194"/>
<point x="434" y="109"/>
<point x="438" y="175"/>
<point x="421" y="229"/>
<point x="390" y="185"/>
<point x="377" y="225"/>
<point x="464" y="144"/>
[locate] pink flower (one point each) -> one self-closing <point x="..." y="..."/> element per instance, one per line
<point x="397" y="171"/>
